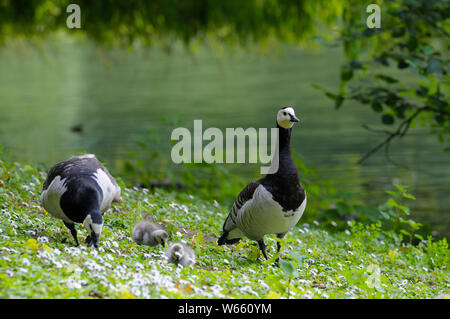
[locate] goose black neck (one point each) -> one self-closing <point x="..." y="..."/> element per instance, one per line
<point x="284" y="139"/>
<point x="287" y="170"/>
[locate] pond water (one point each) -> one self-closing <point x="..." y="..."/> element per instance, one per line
<point x="117" y="96"/>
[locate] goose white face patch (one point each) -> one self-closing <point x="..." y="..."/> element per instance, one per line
<point x="284" y="117"/>
<point x="51" y="197"/>
<point x="96" y="228"/>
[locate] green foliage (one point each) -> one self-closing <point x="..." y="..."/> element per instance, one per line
<point x="393" y="211"/>
<point x="139" y="22"/>
<point x="402" y="69"/>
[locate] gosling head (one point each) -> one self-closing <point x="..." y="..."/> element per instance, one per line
<point x="176" y="253"/>
<point x="147" y="217"/>
<point x="286" y="117"/>
<point x="180" y="254"/>
<point x="160" y="236"/>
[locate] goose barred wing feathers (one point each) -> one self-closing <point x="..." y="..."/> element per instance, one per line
<point x="230" y="223"/>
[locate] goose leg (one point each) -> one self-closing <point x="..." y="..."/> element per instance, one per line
<point x="73" y="231"/>
<point x="89" y="240"/>
<point x="280" y="236"/>
<point x="262" y="247"/>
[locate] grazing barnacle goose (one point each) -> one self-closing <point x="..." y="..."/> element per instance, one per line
<point x="180" y="254"/>
<point x="149" y="233"/>
<point x="78" y="190"/>
<point x="272" y="204"/>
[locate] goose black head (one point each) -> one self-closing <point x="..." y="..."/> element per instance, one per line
<point x="286" y="117"/>
<point x="93" y="223"/>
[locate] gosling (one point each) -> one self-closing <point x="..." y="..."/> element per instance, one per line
<point x="149" y="233"/>
<point x="180" y="254"/>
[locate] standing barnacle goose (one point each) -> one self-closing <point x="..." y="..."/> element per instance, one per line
<point x="78" y="190"/>
<point x="272" y="204"/>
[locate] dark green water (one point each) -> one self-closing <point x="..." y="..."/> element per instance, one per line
<point x="43" y="93"/>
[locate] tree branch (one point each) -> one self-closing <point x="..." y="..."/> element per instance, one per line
<point x="399" y="132"/>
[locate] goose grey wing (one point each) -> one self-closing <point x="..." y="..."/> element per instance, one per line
<point x="245" y="195"/>
<point x="94" y="164"/>
<point x="99" y="165"/>
<point x="56" y="170"/>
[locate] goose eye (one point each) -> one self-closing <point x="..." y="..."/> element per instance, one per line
<point x="284" y="113"/>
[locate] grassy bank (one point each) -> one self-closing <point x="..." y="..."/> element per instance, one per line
<point x="38" y="259"/>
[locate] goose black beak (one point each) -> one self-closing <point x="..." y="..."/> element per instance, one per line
<point x="294" y="118"/>
<point x="92" y="240"/>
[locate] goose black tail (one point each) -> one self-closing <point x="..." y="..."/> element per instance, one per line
<point x="223" y="240"/>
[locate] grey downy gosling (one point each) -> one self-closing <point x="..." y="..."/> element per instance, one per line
<point x="180" y="254"/>
<point x="273" y="204"/>
<point x="79" y="190"/>
<point x="149" y="233"/>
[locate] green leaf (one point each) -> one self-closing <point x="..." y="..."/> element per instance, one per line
<point x="331" y="95"/>
<point x="239" y="245"/>
<point x="393" y="194"/>
<point x="342" y="208"/>
<point x="253" y="253"/>
<point x="297" y="256"/>
<point x="339" y="102"/>
<point x="387" y="119"/>
<point x="412" y="44"/>
<point x="317" y="86"/>
<point x="406" y="195"/>
<point x="436" y="101"/>
<point x="404" y="209"/>
<point x="392" y="255"/>
<point x="398" y="32"/>
<point x="386" y="78"/>
<point x="391" y="202"/>
<point x="32" y="244"/>
<point x="355" y="65"/>
<point x="287" y="267"/>
<point x="346" y="74"/>
<point x="434" y="66"/>
<point x="385" y="215"/>
<point x="337" y="98"/>
<point x="400" y="188"/>
<point x="377" y="107"/>
<point x="427" y="50"/>
<point x="27" y="168"/>
<point x="404" y="232"/>
<point x="402" y="64"/>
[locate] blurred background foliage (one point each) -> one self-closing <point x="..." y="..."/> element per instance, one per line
<point x="400" y="71"/>
<point x="140" y="22"/>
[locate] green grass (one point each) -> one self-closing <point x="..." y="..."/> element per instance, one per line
<point x="38" y="259"/>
